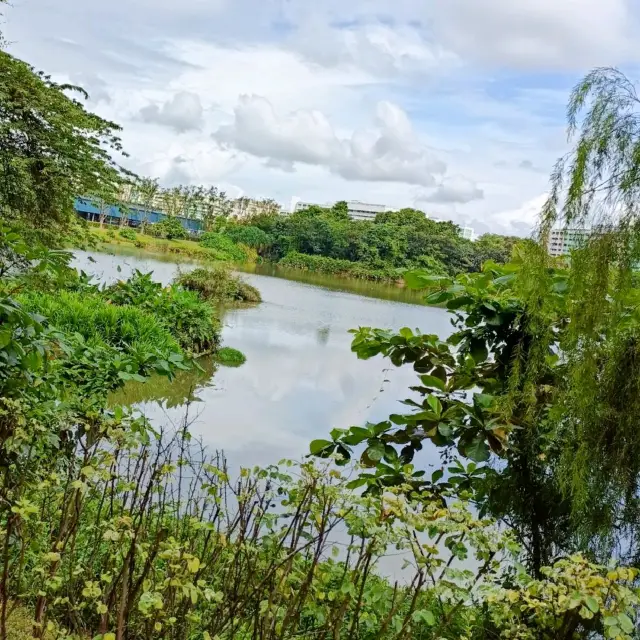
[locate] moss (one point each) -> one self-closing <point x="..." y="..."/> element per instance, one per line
<point x="230" y="357"/>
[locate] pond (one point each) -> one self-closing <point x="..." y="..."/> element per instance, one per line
<point x="300" y="380"/>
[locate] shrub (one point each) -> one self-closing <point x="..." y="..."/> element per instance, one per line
<point x="248" y="235"/>
<point x="170" y="228"/>
<point x="111" y="234"/>
<point x="128" y="234"/>
<point x="336" y="267"/>
<point x="218" y="284"/>
<point x="99" y="322"/>
<point x="230" y="357"/>
<point x="224" y="246"/>
<point x="181" y="312"/>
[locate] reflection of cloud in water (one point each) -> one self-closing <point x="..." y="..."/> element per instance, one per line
<point x="301" y="379"/>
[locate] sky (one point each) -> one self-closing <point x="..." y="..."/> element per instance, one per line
<point x="456" y="107"/>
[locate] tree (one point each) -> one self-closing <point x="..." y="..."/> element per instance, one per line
<point x="51" y="150"/>
<point x="146" y="192"/>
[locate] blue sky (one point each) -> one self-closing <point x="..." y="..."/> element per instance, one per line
<point x="453" y="106"/>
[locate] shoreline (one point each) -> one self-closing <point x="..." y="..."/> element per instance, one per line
<point x="189" y="251"/>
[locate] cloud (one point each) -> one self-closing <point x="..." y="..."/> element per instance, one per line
<point x="388" y="153"/>
<point x="377" y="48"/>
<point x="559" y="34"/>
<point x="181" y="113"/>
<point x="456" y="189"/>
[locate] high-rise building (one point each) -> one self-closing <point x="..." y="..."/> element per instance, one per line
<point x="563" y="241"/>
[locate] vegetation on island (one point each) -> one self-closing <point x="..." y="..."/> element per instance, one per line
<point x="110" y="529"/>
<point x="218" y="285"/>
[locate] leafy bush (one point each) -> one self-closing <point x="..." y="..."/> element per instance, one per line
<point x="218" y="284"/>
<point x="103" y="344"/>
<point x="170" y="228"/>
<point x="248" y="235"/>
<point x="336" y="267"/>
<point x="224" y="245"/>
<point x="128" y="234"/>
<point x="181" y="312"/>
<point x="230" y="357"/>
<point x="99" y="322"/>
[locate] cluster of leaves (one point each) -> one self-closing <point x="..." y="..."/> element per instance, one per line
<point x="182" y="313"/>
<point x="51" y="149"/>
<point x="218" y="285"/>
<point x="336" y="267"/>
<point x="128" y="234"/>
<point x="400" y="239"/>
<point x="224" y="246"/>
<point x="169" y="228"/>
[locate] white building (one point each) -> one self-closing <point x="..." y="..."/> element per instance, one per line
<point x="563" y="241"/>
<point x="467" y="233"/>
<point x="357" y="210"/>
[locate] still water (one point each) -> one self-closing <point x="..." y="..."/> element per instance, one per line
<point x="300" y="379"/>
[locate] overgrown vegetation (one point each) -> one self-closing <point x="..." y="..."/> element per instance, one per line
<point x="112" y="530"/>
<point x="230" y="357"/>
<point x="218" y="285"/>
<point x="224" y="246"/>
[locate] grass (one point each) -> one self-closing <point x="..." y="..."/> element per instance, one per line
<point x="99" y="322"/>
<point x="189" y="248"/>
<point x="230" y="357"/>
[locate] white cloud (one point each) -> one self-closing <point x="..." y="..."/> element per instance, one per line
<point x="482" y="81"/>
<point x="389" y="153"/>
<point x="181" y="113"/>
<point x="456" y="189"/>
<point x="566" y="34"/>
<point x="379" y="49"/>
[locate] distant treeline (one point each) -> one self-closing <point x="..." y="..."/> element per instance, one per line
<point x="376" y="249"/>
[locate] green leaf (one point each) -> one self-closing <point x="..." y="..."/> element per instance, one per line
<point x="625" y="623"/>
<point x="318" y="446"/>
<point x="435" y="404"/>
<point x="477" y="450"/>
<point x="424" y="615"/>
<point x="592" y="604"/>
<point x="437" y="475"/>
<point x="376" y="451"/>
<point x="478" y="350"/>
<point x="432" y="381"/>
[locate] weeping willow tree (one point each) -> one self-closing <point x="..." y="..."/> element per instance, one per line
<point x="597" y="185"/>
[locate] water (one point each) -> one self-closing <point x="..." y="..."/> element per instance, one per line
<point x="300" y="380"/>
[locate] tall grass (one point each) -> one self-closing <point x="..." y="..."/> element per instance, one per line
<point x="99" y="322"/>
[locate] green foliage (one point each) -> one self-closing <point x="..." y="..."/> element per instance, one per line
<point x="51" y="150"/>
<point x="99" y="322"/>
<point x="170" y="228"/>
<point x="230" y="357"/>
<point x="180" y="312"/>
<point x="218" y="285"/>
<point x="224" y="246"/>
<point x="333" y="266"/>
<point x="248" y="235"/>
<point x="128" y="234"/>
<point x="395" y="240"/>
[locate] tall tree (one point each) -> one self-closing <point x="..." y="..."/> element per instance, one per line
<point x="51" y="150"/>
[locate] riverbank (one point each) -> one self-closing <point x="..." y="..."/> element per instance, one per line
<point x="104" y="238"/>
<point x="191" y="252"/>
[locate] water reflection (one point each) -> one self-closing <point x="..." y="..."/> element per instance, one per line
<point x="185" y="387"/>
<point x="300" y="379"/>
